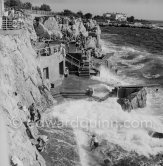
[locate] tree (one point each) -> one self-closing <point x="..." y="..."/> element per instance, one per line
<point x="27" y="5"/>
<point x="35" y="8"/>
<point x="67" y="12"/>
<point x="13" y="3"/>
<point x="88" y="15"/>
<point x="45" y="7"/>
<point x="80" y="14"/>
<point x="130" y="19"/>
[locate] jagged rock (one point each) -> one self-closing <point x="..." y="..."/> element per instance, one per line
<point x="29" y="26"/>
<point x="19" y="82"/>
<point x="41" y="31"/>
<point x="133" y="100"/>
<point x="91" y="43"/>
<point x="52" y="25"/>
<point x="78" y="28"/>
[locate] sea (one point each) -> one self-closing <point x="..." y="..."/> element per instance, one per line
<point x="138" y="56"/>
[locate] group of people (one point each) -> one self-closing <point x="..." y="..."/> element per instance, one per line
<point x="35" y="116"/>
<point x="13" y="19"/>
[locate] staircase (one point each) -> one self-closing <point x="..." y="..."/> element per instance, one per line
<point x="72" y="60"/>
<point x="84" y="71"/>
<point x="83" y="67"/>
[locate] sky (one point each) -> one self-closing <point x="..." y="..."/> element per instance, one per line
<point x="141" y="9"/>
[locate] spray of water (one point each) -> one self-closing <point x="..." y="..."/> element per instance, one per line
<point x="108" y="121"/>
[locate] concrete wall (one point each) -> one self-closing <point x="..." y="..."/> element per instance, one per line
<point x="124" y="92"/>
<point x="52" y="62"/>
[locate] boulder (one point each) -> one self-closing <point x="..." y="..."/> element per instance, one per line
<point x="129" y="100"/>
<point x="42" y="31"/>
<point x="91" y="43"/>
<point x="52" y="26"/>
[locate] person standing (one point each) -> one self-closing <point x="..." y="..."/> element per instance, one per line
<point x="94" y="142"/>
<point x="32" y="112"/>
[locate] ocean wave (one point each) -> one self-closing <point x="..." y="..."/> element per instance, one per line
<point x="131" y="139"/>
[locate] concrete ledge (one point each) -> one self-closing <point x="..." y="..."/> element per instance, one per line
<point x="11" y="32"/>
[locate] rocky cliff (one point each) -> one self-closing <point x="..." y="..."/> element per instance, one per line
<point x="19" y="81"/>
<point x="134" y="100"/>
<point x="21" y="85"/>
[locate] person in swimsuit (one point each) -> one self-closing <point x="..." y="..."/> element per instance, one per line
<point x="94" y="142"/>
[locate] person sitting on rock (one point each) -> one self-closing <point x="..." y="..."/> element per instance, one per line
<point x="41" y="145"/>
<point x="37" y="116"/>
<point x="94" y="142"/>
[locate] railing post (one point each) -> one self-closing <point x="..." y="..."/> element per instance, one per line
<point x="6" y="23"/>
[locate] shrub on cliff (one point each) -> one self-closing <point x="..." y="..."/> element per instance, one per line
<point x="45" y="7"/>
<point x="13" y="3"/>
<point x="80" y="14"/>
<point x="27" y="5"/>
<point x="88" y="16"/>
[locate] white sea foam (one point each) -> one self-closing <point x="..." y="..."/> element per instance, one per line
<point x="86" y="112"/>
<point x="89" y="113"/>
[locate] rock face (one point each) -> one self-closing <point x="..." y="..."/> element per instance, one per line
<point x="52" y="25"/>
<point x="78" y="28"/>
<point x="42" y="31"/>
<point x="132" y="98"/>
<point x="19" y="82"/>
<point x="30" y="28"/>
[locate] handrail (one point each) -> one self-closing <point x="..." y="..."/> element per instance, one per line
<point x="40" y="12"/>
<point x="43" y="51"/>
<point x="46" y="51"/>
<point x="11" y="24"/>
<point x="31" y="11"/>
<point x="73" y="60"/>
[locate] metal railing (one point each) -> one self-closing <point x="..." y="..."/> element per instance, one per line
<point x="11" y="24"/>
<point x="43" y="52"/>
<point x="39" y="12"/>
<point x="73" y="60"/>
<point x="47" y="51"/>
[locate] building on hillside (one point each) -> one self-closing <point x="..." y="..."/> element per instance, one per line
<point x="107" y="15"/>
<point x="52" y="63"/>
<point x="115" y="16"/>
<point x="120" y="17"/>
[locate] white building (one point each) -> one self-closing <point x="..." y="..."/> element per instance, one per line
<point x="115" y="16"/>
<point x="120" y="17"/>
<point x="107" y="15"/>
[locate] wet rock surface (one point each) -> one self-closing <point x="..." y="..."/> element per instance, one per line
<point x="61" y="149"/>
<point x="113" y="155"/>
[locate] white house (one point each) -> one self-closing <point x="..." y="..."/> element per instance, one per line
<point x="120" y="17"/>
<point x="107" y="15"/>
<point x="115" y="16"/>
